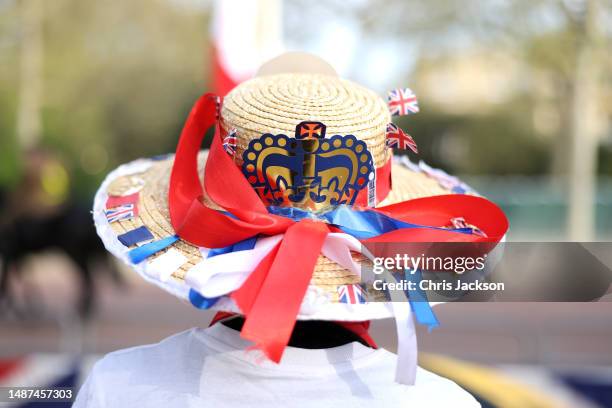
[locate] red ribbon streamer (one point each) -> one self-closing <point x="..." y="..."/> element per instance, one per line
<point x="272" y="308"/>
<point x="272" y="295"/>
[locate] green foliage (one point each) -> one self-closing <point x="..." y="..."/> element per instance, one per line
<point x="496" y="143"/>
<point x="119" y="78"/>
<point x="9" y="149"/>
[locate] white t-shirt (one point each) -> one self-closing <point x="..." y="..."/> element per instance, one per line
<point x="210" y="368"/>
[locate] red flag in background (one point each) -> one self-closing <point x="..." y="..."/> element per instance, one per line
<point x="245" y="34"/>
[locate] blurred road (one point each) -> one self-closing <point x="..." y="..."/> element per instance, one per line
<point x="549" y="334"/>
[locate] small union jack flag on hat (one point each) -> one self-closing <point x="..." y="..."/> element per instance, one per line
<point x="351" y="294"/>
<point x="399" y="139"/>
<point x="402" y="101"/>
<point x="229" y="142"/>
<point x="122" y="212"/>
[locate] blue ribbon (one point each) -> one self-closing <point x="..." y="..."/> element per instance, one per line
<point x="200" y="301"/>
<point x="418" y="302"/>
<point x="361" y="224"/>
<point x="137" y="255"/>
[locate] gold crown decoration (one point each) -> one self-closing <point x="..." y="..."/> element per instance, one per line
<point x="308" y="171"/>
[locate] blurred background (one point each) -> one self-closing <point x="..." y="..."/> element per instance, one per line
<point x="515" y="99"/>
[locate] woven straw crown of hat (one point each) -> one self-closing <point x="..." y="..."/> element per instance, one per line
<point x="276" y="103"/>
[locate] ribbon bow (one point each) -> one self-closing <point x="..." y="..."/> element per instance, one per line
<point x="271" y="296"/>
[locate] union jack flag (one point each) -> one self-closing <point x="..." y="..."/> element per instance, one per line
<point x="122" y="212"/>
<point x="352" y="294"/>
<point x="396" y="137"/>
<point x="402" y="101"/>
<point x="229" y="142"/>
<point x="459" y="222"/>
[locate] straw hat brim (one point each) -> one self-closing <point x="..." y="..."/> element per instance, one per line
<point x="151" y="178"/>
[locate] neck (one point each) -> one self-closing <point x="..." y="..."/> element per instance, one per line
<point x="310" y="334"/>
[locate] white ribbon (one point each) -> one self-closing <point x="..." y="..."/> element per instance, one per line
<point x="222" y="274"/>
<point x="164" y="265"/>
<point x="338" y="247"/>
<point x="405" y="371"/>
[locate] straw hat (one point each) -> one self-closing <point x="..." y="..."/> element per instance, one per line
<point x="274" y="103"/>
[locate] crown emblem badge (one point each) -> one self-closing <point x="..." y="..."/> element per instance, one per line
<point x="309" y="170"/>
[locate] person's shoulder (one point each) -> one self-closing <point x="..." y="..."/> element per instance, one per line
<point x="168" y="344"/>
<point x="166" y="353"/>
<point x="125" y="377"/>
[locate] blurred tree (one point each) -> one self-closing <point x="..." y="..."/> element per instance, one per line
<point x="118" y="79"/>
<point x="9" y="159"/>
<point x="30" y="73"/>
<point x="582" y="123"/>
<point x="558" y="72"/>
<point x="541" y="39"/>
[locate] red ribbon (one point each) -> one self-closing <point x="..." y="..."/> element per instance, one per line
<point x="272" y="295"/>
